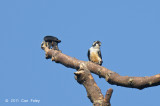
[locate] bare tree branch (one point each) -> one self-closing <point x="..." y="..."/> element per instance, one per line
<point x="110" y="76"/>
<point x="83" y="76"/>
<point x="108" y="96"/>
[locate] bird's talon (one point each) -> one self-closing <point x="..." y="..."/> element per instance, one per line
<point x="52" y="58"/>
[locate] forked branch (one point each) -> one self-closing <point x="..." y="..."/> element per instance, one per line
<point x="83" y="76"/>
<point x="110" y="76"/>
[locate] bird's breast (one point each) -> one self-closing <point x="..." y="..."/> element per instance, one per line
<point x="94" y="57"/>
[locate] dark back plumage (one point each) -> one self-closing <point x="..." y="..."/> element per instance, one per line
<point x="51" y="38"/>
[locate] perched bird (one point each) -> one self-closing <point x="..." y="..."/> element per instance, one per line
<point x="94" y="53"/>
<point x="52" y="42"/>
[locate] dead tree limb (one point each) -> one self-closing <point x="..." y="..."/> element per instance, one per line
<point x="108" y="97"/>
<point x="110" y="76"/>
<point x="83" y="76"/>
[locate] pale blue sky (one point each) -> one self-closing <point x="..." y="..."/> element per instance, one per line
<point x="128" y="30"/>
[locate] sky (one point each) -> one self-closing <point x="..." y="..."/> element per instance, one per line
<point x="128" y="30"/>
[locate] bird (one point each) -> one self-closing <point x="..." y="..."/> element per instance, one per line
<point x="52" y="42"/>
<point x="94" y="53"/>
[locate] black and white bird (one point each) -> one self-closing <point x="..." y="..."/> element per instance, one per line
<point x="94" y="53"/>
<point x="52" y="42"/>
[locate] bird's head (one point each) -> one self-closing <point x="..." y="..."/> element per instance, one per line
<point x="96" y="44"/>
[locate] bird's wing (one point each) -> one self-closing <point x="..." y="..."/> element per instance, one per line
<point x="99" y="53"/>
<point x="88" y="54"/>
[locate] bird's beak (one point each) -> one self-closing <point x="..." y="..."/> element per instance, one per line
<point x="58" y="41"/>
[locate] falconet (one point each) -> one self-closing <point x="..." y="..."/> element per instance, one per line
<point x="52" y="42"/>
<point x="94" y="53"/>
